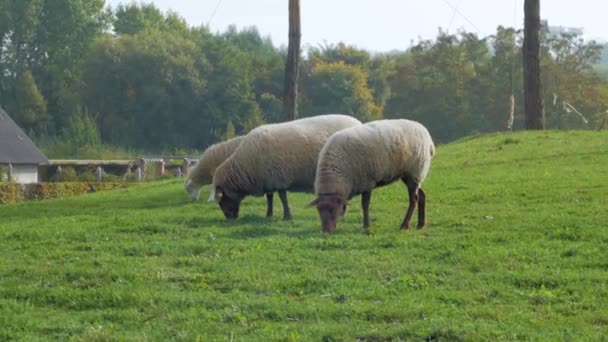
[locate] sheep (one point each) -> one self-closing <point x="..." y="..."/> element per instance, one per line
<point x="202" y="173"/>
<point x="275" y="157"/>
<point x="358" y="159"/>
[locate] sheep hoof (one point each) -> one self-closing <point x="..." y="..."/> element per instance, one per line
<point x="287" y="218"/>
<point x="405" y="227"/>
<point x="420" y="225"/>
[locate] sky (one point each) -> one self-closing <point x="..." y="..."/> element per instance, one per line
<point x="382" y="25"/>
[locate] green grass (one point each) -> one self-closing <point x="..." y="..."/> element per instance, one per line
<point x="516" y="248"/>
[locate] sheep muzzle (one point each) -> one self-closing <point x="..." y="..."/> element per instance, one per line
<point x="330" y="207"/>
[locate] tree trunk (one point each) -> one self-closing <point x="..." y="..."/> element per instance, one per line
<point x="292" y="66"/>
<point x="533" y="99"/>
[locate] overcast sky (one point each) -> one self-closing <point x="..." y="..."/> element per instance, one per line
<point x="383" y="25"/>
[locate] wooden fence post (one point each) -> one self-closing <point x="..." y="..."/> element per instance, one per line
<point x="160" y="168"/>
<point x="98" y="174"/>
<point x="10" y="172"/>
<point x="138" y="174"/>
<point x="185" y="167"/>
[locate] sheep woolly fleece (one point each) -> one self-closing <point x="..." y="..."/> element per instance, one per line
<point x="280" y="156"/>
<point x="202" y="173"/>
<point x="358" y="159"/>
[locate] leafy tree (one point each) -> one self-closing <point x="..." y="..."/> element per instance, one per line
<point x="29" y="106"/>
<point x="152" y="83"/>
<point x="267" y="64"/>
<point x="437" y="77"/>
<point x="377" y="68"/>
<point x="570" y="80"/>
<point x="42" y="47"/>
<point x="230" y="131"/>
<point x="339" y="88"/>
<point x="254" y="120"/>
<point x="133" y="18"/>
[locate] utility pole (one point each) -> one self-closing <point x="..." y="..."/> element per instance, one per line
<point x="533" y="97"/>
<point x="292" y="66"/>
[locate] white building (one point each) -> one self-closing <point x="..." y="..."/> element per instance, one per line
<point x="19" y="156"/>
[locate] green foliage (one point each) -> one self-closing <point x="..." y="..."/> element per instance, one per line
<point x="340" y="88"/>
<point x="59" y="149"/>
<point x="29" y="105"/>
<point x="230" y="131"/>
<point x="10" y="192"/>
<point x="602" y="71"/>
<point x="514" y="250"/>
<point x="377" y="68"/>
<point x="150" y="67"/>
<point x="14" y="193"/>
<point x="134" y="18"/>
<point x="254" y="120"/>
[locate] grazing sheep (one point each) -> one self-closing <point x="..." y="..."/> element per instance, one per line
<point x="202" y="173"/>
<point x="358" y="159"/>
<point x="276" y="157"/>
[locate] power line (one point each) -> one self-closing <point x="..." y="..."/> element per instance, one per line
<point x="214" y="12"/>
<point x="462" y="15"/>
<point x="453" y="16"/>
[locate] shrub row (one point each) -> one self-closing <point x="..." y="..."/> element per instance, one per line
<point x="13" y="192"/>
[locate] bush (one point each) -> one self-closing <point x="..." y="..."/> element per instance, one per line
<point x="13" y="192"/>
<point x="10" y="192"/>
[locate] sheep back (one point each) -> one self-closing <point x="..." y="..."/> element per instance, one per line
<point x="280" y="156"/>
<point x="358" y="159"/>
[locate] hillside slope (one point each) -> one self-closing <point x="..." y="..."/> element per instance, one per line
<point x="515" y="249"/>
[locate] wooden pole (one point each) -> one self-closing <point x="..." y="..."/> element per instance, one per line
<point x="292" y="66"/>
<point x="533" y="97"/>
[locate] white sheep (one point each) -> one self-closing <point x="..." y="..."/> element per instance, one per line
<point x="276" y="157"/>
<point x="358" y="159"/>
<point x="202" y="172"/>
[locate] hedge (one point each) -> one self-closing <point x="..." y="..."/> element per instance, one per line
<point x="13" y="192"/>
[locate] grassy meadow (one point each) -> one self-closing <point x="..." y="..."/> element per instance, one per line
<point x="516" y="249"/>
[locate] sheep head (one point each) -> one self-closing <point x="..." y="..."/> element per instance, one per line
<point x="330" y="207"/>
<point x="230" y="205"/>
<point x="192" y="189"/>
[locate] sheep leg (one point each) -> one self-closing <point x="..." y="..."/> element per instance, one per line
<point x="286" y="212"/>
<point x="421" y="208"/>
<point x="365" y="200"/>
<point x="269" y="199"/>
<point x="412" y="189"/>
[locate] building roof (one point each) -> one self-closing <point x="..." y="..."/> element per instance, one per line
<point x="15" y="146"/>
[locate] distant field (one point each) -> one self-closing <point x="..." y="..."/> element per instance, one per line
<point x="516" y="248"/>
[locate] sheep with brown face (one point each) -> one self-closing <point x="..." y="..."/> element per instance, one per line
<point x="275" y="157"/>
<point x="359" y="159"/>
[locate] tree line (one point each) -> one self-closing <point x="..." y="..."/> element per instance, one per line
<point x="133" y="76"/>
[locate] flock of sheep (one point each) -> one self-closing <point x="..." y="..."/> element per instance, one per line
<point x="335" y="156"/>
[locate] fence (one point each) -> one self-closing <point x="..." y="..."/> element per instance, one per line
<point x="137" y="170"/>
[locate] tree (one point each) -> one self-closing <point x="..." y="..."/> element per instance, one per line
<point x="292" y="66"/>
<point x="439" y="83"/>
<point x="230" y="131"/>
<point x="533" y="99"/>
<point x="28" y="105"/>
<point x="133" y="18"/>
<point x="339" y="88"/>
<point x="153" y="83"/>
<point x="377" y="68"/>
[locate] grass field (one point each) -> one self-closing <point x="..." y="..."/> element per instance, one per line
<point x="516" y="249"/>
